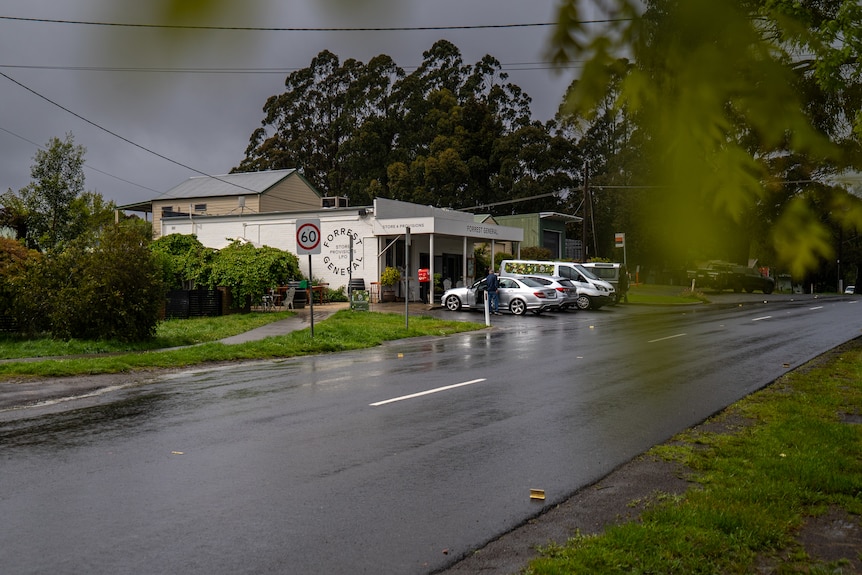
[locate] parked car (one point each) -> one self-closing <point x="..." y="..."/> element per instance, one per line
<point x="850" y="289"/>
<point x="568" y="291"/>
<point x="751" y="280"/>
<point x="720" y="276"/>
<point x="517" y="295"/>
<point x="593" y="292"/>
<point x="614" y="273"/>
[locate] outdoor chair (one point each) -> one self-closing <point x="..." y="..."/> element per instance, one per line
<point x="288" y="298"/>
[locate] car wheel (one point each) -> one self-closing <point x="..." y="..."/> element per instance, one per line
<point x="453" y="303"/>
<point x="768" y="290"/>
<point x="584" y="301"/>
<point x="518" y="307"/>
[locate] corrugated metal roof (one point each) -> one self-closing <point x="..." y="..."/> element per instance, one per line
<point x="227" y="185"/>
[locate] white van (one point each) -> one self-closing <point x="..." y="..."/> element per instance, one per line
<point x="593" y="292"/>
<point x="611" y="273"/>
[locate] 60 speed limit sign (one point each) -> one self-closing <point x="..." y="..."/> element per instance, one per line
<point x="307" y="236"/>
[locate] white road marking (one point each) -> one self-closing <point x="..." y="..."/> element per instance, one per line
<point x="430" y="391"/>
<point x="664" y="338"/>
<point x="762" y="318"/>
<point x="818" y="307"/>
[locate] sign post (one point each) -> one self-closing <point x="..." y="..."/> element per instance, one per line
<point x="620" y="242"/>
<point x="308" y="242"/>
<point x="407" y="277"/>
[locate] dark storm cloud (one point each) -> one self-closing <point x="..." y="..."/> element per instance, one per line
<point x="203" y="121"/>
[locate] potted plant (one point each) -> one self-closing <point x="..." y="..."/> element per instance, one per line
<point x="388" y="279"/>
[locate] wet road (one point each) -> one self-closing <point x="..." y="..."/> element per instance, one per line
<point x="394" y="460"/>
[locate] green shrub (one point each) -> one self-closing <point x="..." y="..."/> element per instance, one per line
<point x="338" y="294"/>
<point x="184" y="261"/>
<point x="250" y="272"/>
<point x="13" y="259"/>
<point x="108" y="291"/>
<point x="499" y="257"/>
<point x="107" y="287"/>
<point x="535" y="253"/>
<point x="390" y="276"/>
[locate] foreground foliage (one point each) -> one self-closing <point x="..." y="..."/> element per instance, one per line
<point x="746" y="112"/>
<point x="799" y="457"/>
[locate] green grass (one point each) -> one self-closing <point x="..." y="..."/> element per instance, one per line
<point x="663" y="295"/>
<point x="169" y="333"/>
<point x="344" y="330"/>
<point x="752" y="488"/>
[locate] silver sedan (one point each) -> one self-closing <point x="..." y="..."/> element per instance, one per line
<point x="566" y="290"/>
<point x="516" y="295"/>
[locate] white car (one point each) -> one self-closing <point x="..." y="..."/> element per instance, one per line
<point x="850" y="289"/>
<point x="516" y="295"/>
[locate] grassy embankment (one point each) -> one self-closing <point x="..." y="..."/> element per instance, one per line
<point x="797" y="455"/>
<point x="345" y="330"/>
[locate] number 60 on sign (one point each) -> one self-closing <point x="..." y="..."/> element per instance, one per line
<point x="308" y="236"/>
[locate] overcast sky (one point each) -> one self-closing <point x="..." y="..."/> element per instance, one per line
<point x="204" y="120"/>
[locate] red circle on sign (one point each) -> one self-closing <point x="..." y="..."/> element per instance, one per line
<point x="313" y="233"/>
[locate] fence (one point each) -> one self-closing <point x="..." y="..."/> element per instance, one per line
<point x="183" y="304"/>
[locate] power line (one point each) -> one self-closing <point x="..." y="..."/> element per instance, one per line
<point x="86" y="164"/>
<point x="123" y="138"/>
<point x="156" y="69"/>
<point x="515" y="201"/>
<point x="304" y="29"/>
<point x="516" y="67"/>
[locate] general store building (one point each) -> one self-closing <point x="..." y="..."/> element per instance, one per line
<point x="357" y="242"/>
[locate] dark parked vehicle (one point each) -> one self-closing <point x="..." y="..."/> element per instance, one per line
<point x="720" y="276"/>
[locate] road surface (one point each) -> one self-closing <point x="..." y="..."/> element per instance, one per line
<point x="399" y="459"/>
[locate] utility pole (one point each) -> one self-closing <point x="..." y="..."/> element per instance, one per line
<point x="587" y="210"/>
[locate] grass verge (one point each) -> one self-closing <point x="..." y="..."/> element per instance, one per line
<point x="798" y="457"/>
<point x="344" y="330"/>
<point x="169" y="333"/>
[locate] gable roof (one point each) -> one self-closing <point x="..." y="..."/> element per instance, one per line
<point x="227" y="185"/>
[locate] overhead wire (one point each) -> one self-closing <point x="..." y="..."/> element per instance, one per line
<point x="303" y="28"/>
<point x="123" y="138"/>
<point x="231" y="28"/>
<point x="86" y="163"/>
<point x="505" y="67"/>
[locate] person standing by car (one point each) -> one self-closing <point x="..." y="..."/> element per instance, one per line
<point x="623" y="285"/>
<point x="491" y="284"/>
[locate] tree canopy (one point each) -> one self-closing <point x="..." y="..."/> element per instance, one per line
<point x="54" y="208"/>
<point x="748" y="109"/>
<point x="448" y="134"/>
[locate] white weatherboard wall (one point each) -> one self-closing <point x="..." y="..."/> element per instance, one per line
<point x="373" y="229"/>
<point x="278" y="230"/>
